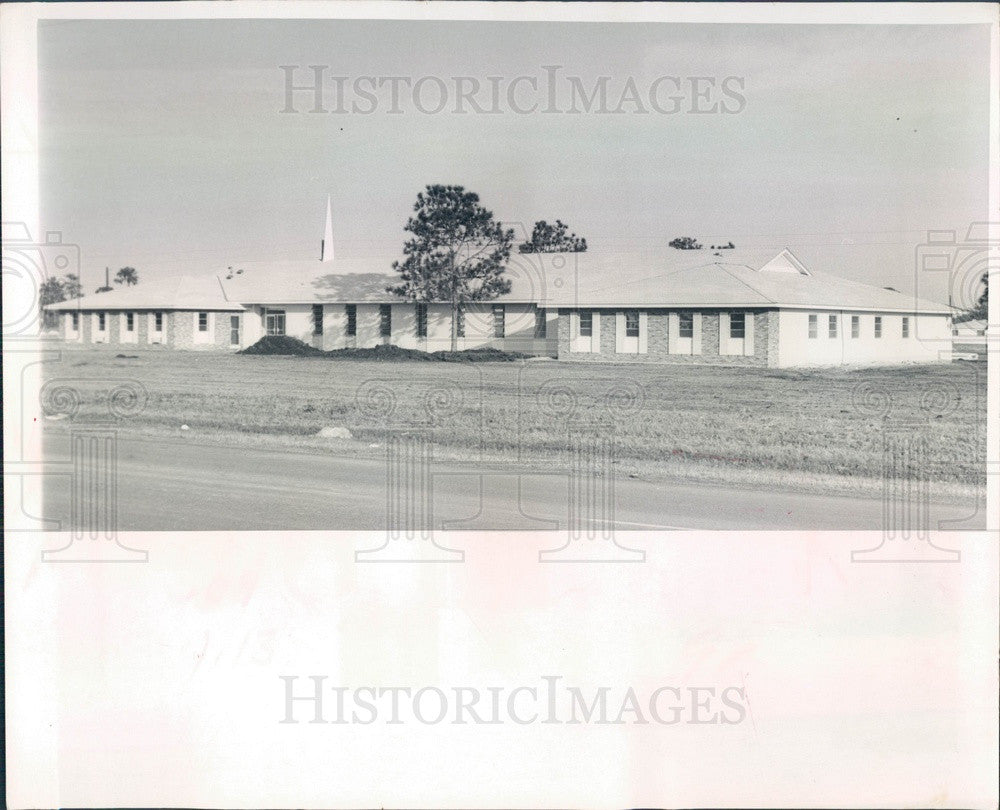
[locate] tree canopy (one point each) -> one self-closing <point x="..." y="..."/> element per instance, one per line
<point x="982" y="308"/>
<point x="685" y="243"/>
<point x="72" y="286"/>
<point x="457" y="252"/>
<point x="52" y="291"/>
<point x="547" y="238"/>
<point x="127" y="276"/>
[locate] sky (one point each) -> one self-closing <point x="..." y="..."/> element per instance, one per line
<point x="163" y="144"/>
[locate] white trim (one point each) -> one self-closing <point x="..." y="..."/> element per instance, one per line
<point x="741" y="305"/>
<point x="673" y="333"/>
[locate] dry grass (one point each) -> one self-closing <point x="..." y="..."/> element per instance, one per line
<point x="739" y="423"/>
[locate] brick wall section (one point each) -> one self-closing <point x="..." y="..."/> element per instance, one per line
<point x="765" y="341"/>
<point x="221" y="337"/>
<point x="657" y="333"/>
<point x="772" y="338"/>
<point x="181" y="329"/>
<point x="710" y="338"/>
<point x="562" y="334"/>
<point x="607" y="334"/>
<point x="178" y="329"/>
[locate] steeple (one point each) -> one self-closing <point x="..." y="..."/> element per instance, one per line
<point x="326" y="246"/>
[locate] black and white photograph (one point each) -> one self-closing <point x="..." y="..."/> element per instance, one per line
<point x="500" y="405"/>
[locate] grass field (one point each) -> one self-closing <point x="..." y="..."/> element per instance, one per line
<point x="787" y="428"/>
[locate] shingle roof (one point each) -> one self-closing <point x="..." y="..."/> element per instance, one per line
<point x="356" y="280"/>
<point x="179" y="292"/>
<point x="728" y="278"/>
<point x="675" y="278"/>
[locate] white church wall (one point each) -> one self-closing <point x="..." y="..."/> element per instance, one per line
<point x="298" y="321"/>
<point x="369" y="321"/>
<point x="926" y="342"/>
<point x="335" y="327"/>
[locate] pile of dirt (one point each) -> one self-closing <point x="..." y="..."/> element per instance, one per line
<point x="282" y="345"/>
<point x="378" y="354"/>
<point x="485" y="355"/>
<point x="285" y="345"/>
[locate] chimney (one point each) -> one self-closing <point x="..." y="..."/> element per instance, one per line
<point x="107" y="276"/>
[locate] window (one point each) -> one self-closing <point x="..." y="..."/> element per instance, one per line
<point x="738" y="325"/>
<point x="632" y="324"/>
<point x="813" y="326"/>
<point x="878" y="326"/>
<point x="317" y="319"/>
<point x="352" y="319"/>
<point x="422" y="320"/>
<point x="855" y="326"/>
<point x="385" y="320"/>
<point x="586" y="324"/>
<point x="129" y="321"/>
<point x="76" y="321"/>
<point x="833" y="326"/>
<point x="686" y="325"/>
<point x="274" y="321"/>
<point x="906" y="327"/>
<point x="540" y="325"/>
<point x="158" y="322"/>
<point x="460" y="322"/>
<point x="234" y="330"/>
<point x="499" y="325"/>
<point x="102" y="321"/>
<point x="202" y="321"/>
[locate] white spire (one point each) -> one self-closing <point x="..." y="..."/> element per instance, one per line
<point x="326" y="249"/>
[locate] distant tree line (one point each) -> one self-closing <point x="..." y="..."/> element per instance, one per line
<point x="54" y="290"/>
<point x="547" y="238"/>
<point x="690" y="243"/>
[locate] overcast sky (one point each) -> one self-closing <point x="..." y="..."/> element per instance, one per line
<point x="163" y="146"/>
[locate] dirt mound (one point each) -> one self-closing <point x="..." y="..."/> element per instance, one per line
<point x="396" y="354"/>
<point x="485" y="355"/>
<point x="378" y="354"/>
<point x="283" y="345"/>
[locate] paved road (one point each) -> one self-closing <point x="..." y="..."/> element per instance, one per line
<point x="180" y="485"/>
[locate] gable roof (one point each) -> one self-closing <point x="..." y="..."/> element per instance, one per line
<point x="729" y="278"/>
<point x="179" y="292"/>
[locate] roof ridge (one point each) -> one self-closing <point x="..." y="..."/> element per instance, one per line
<point x="746" y="283"/>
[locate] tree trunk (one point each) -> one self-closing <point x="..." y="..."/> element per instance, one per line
<point x="454" y="306"/>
